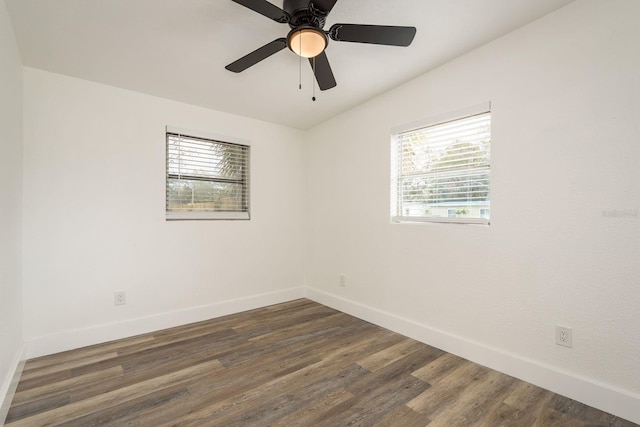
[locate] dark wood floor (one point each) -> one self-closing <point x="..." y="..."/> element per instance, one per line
<point x="293" y="364"/>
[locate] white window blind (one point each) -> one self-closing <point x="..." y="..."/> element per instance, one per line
<point x="442" y="172"/>
<point x="206" y="179"/>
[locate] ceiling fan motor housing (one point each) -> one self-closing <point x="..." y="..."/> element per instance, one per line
<point x="301" y="12"/>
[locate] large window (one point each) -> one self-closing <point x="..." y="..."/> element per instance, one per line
<point x="207" y="177"/>
<point x="441" y="169"/>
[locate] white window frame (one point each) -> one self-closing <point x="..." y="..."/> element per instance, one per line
<point x="208" y="215"/>
<point x="396" y="205"/>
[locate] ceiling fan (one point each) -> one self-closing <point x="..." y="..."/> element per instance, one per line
<point x="308" y="39"/>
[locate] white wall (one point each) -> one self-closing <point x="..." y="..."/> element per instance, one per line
<point x="565" y="95"/>
<point x="10" y="207"/>
<point x="94" y="217"/>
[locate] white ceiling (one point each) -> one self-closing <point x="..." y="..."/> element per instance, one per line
<point x="177" y="49"/>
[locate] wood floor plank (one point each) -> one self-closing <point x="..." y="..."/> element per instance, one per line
<point x="148" y="359"/>
<point x="477" y="401"/>
<point x="95" y="350"/>
<point x="292" y="364"/>
<point x="302" y="327"/>
<point x="528" y="397"/>
<point x="79" y="409"/>
<point x="401" y="367"/>
<point x="220" y="408"/>
<point x="183" y="335"/>
<point x="64" y="365"/>
<point x="317" y="410"/>
<point x="439" y="368"/>
<point x="279" y="320"/>
<point x="405" y="417"/>
<point x="504" y="416"/>
<point x="375" y="404"/>
<point x="446" y="392"/>
<point x="295" y="337"/>
<point x="163" y="366"/>
<point x="129" y="379"/>
<point x="27" y="410"/>
<point x="126" y="412"/>
<point x="68" y="385"/>
<point x="237" y="380"/>
<point x="252" y="373"/>
<point x="580" y="411"/>
<point x="335" y="354"/>
<point x="266" y="407"/>
<point x="553" y="418"/>
<point x="389" y="355"/>
<point x="524" y="404"/>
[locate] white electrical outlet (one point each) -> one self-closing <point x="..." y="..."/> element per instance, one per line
<point x="564" y="336"/>
<point x="343" y="280"/>
<point x="119" y="298"/>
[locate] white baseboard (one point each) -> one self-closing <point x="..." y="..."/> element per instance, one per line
<point x="621" y="403"/>
<point x="11" y="382"/>
<point x="97" y="334"/>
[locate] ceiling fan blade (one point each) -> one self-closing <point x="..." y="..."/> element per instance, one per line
<point x="324" y="75"/>
<point x="265" y="8"/>
<point x="323" y="6"/>
<point x="257" y="55"/>
<point x="375" y="34"/>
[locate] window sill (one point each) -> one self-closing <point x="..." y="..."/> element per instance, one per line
<point x="185" y="216"/>
<point x="438" y="220"/>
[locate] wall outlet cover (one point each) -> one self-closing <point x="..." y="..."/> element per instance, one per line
<point x="564" y="336"/>
<point x="119" y="298"/>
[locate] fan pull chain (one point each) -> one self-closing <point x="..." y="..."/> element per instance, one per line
<point x="313" y="98"/>
<point x="300" y="66"/>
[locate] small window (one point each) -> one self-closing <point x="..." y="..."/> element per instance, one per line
<point x="441" y="169"/>
<point x="207" y="178"/>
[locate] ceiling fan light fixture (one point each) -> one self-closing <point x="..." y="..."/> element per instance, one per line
<point x="308" y="39"/>
<point x="307" y="42"/>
